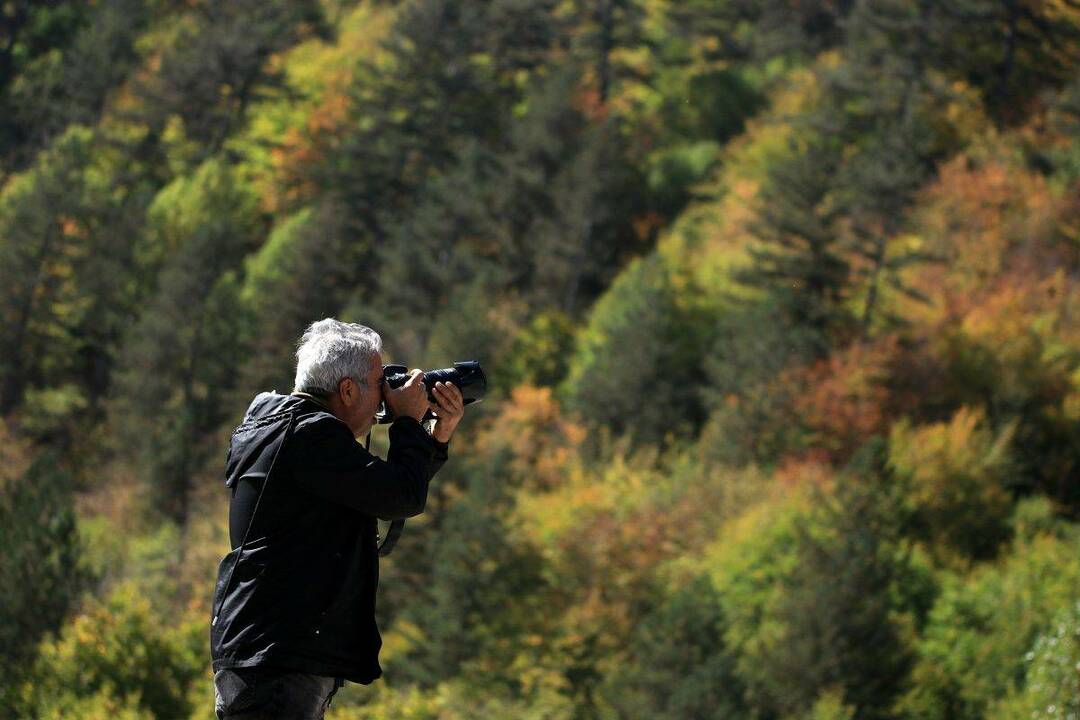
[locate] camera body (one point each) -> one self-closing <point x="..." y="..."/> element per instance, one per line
<point x="467" y="376"/>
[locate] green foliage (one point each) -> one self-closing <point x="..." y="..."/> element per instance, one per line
<point x="1052" y="676"/>
<point x="214" y="66"/>
<point x="460" y="618"/>
<point x="752" y="417"/>
<point x="673" y="172"/>
<point x="846" y="609"/>
<point x="299" y="275"/>
<point x="185" y="185"/>
<point x="118" y="653"/>
<point x="954" y="475"/>
<point x="636" y="368"/>
<point x="798" y="259"/>
<point x="830" y="706"/>
<point x="679" y="666"/>
<point x="541" y="351"/>
<point x="40" y="570"/>
<point x="184" y="350"/>
<point x="972" y="651"/>
<point x="58" y="260"/>
<point x="86" y="51"/>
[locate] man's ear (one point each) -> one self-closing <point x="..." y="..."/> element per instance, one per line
<point x="347" y="391"/>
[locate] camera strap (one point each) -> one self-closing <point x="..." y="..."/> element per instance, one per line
<point x="396" y="526"/>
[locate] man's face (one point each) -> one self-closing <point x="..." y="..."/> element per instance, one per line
<point x="363" y="415"/>
<point x="362" y="402"/>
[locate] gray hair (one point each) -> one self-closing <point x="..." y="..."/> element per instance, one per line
<point x="330" y="351"/>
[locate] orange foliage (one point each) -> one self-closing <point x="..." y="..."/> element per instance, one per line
<point x="987" y="219"/>
<point x="540" y="442"/>
<point x="844" y="399"/>
<point x="309" y="146"/>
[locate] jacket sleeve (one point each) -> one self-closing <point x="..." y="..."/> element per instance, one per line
<point x="327" y="461"/>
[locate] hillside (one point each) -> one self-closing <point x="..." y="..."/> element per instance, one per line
<point x="780" y="304"/>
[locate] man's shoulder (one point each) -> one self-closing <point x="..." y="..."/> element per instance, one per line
<point x="310" y="416"/>
<point x="266" y="403"/>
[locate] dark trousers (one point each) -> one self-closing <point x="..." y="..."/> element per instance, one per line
<point x="270" y="694"/>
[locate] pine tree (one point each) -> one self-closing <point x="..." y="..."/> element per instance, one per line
<point x="881" y="100"/>
<point x="799" y="258"/>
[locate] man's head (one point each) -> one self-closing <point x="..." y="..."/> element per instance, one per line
<point x="342" y="363"/>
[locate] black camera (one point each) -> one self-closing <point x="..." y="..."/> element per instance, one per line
<point x="468" y="376"/>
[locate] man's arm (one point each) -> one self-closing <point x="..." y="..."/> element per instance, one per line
<point x="327" y="461"/>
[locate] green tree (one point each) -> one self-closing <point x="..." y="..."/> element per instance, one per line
<point x="844" y="616"/>
<point x="798" y="257"/>
<point x="118" y="652"/>
<point x="679" y="665"/>
<point x="182" y="354"/>
<point x="40" y="572"/>
<point x="752" y="416"/>
<point x="63" y="266"/>
<point x="302" y="273"/>
<point x="971" y="652"/>
<point x="484" y="587"/>
<point x="88" y="49"/>
<point x="216" y="64"/>
<point x="637" y="365"/>
<point x="1051" y="684"/>
<point x="884" y="100"/>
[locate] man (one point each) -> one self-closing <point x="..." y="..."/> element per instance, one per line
<point x="294" y="606"/>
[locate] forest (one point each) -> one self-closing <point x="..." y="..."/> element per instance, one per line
<point x="779" y="303"/>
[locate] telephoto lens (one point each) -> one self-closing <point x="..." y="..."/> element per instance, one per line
<point x="467" y="376"/>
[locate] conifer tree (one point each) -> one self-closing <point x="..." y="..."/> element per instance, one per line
<point x="799" y="258"/>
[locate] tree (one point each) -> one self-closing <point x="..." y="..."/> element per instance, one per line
<point x="882" y="99"/>
<point x="40" y="573"/>
<point x="679" y="665"/>
<point x="216" y="65"/>
<point x="799" y="258"/>
<point x="302" y="273"/>
<point x="184" y="351"/>
<point x="840" y="619"/>
<point x="117" y="651"/>
<point x="637" y="365"/>
<point x="62" y="257"/>
<point x="87" y="51"/>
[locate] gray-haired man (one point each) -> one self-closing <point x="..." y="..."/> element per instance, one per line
<point x="294" y="606"/>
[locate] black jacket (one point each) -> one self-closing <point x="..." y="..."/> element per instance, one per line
<point x="302" y="594"/>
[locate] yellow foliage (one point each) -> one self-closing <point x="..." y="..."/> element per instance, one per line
<point x="955" y="476"/>
<point x="541" y="442"/>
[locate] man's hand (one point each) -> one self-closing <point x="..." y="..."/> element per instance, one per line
<point x="410" y="399"/>
<point x="449" y="406"/>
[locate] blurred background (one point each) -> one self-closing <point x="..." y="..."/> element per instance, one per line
<point x="779" y="300"/>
